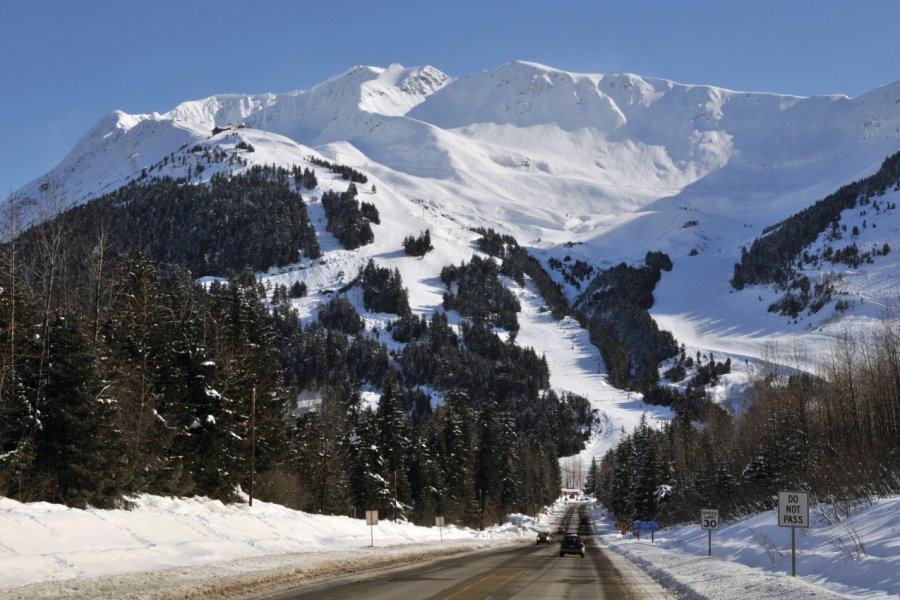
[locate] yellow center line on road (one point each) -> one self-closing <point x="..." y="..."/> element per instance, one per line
<point x="504" y="578"/>
<point x="468" y="587"/>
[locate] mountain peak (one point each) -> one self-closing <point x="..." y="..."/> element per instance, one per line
<point x="523" y="94"/>
<point x="391" y="91"/>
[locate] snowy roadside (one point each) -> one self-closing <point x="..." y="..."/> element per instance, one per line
<point x="249" y="578"/>
<point x="848" y="552"/>
<point x="690" y="577"/>
<point x="196" y="547"/>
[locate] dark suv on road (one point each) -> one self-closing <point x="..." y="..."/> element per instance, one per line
<point x="571" y="544"/>
<point x="544" y="537"/>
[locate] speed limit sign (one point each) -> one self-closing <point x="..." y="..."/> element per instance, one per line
<point x="709" y="518"/>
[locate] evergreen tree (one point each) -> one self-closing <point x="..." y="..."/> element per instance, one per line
<point x="491" y="475"/>
<point x="135" y="343"/>
<point x="592" y="479"/>
<point x="418" y="246"/>
<point x="298" y="289"/>
<point x="479" y="293"/>
<point x="310" y="181"/>
<point x="393" y="441"/>
<point x="338" y="313"/>
<point x="79" y="450"/>
<point x="383" y="290"/>
<point x="370" y="212"/>
<point x="369" y="488"/>
<point x="345" y="220"/>
<point x="424" y="477"/>
<point x="617" y="468"/>
<point x="459" y="457"/>
<point x="645" y="476"/>
<point x="185" y="375"/>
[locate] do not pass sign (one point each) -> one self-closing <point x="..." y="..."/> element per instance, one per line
<point x="793" y="509"/>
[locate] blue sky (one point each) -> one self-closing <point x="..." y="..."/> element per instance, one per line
<point x="65" y="64"/>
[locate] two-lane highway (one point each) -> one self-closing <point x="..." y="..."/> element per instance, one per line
<point x="534" y="572"/>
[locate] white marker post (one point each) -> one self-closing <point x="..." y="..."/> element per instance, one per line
<point x="439" y="523"/>
<point x="372" y="521"/>
<point x="709" y="520"/>
<point x="793" y="512"/>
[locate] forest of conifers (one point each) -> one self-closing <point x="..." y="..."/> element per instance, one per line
<point x="120" y="374"/>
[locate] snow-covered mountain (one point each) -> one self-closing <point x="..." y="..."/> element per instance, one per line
<point x="597" y="144"/>
<point x="600" y="168"/>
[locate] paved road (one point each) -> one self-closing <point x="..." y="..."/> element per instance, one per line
<point x="526" y="572"/>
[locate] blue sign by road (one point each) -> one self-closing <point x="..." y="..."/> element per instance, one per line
<point x="645" y="526"/>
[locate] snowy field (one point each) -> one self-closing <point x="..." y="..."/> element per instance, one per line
<point x="192" y="548"/>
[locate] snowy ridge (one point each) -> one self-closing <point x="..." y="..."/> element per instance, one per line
<point x="115" y="150"/>
<point x="610" y="130"/>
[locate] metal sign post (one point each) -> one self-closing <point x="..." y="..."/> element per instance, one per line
<point x="372" y="521"/>
<point x="793" y="512"/>
<point x="709" y="520"/>
<point x="439" y="523"/>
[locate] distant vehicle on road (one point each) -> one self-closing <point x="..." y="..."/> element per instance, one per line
<point x="571" y="544"/>
<point x="544" y="537"/>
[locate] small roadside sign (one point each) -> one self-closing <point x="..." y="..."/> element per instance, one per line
<point x="646" y="526"/>
<point x="650" y="526"/>
<point x="709" y="520"/>
<point x="372" y="521"/>
<point x="793" y="512"/>
<point x="793" y="509"/>
<point x="439" y="523"/>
